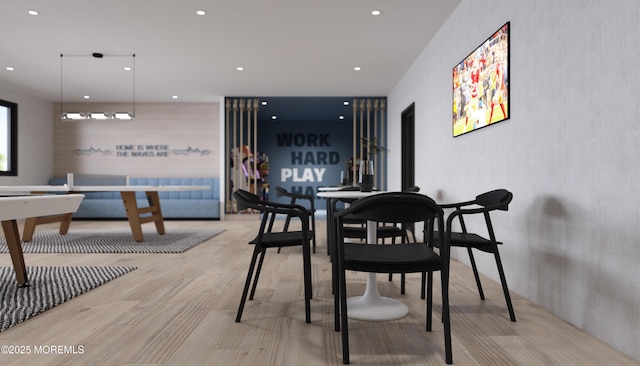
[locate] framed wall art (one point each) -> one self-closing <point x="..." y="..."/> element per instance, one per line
<point x="481" y="85"/>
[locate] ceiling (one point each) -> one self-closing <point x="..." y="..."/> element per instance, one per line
<point x="286" y="47"/>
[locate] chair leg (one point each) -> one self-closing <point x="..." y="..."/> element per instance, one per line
<point x="475" y="273"/>
<point x="429" y="300"/>
<point x="393" y="241"/>
<point x="335" y="281"/>
<point x="247" y="284"/>
<point x="343" y="315"/>
<point x="446" y="316"/>
<point x="313" y="228"/>
<point x="336" y="306"/>
<point x="336" y="297"/>
<point x="402" y="282"/>
<point x="505" y="289"/>
<point x="329" y="223"/>
<point x="423" y="284"/>
<point x="255" y="279"/>
<point x="308" y="290"/>
<point x="405" y="239"/>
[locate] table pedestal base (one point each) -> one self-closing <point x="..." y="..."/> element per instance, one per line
<point x="373" y="307"/>
<point x="381" y="310"/>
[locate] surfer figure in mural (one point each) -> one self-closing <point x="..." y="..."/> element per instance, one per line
<point x="252" y="173"/>
<point x="263" y="173"/>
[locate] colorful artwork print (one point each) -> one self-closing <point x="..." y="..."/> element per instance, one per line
<point x="481" y="85"/>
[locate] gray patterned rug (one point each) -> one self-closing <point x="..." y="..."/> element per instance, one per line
<point x="111" y="241"/>
<point x="49" y="287"/>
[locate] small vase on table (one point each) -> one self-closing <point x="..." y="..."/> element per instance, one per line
<point x="366" y="178"/>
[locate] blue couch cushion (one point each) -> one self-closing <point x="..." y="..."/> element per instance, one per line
<point x="196" y="204"/>
<point x="210" y="194"/>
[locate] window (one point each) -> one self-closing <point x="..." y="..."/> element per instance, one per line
<point x="8" y="138"/>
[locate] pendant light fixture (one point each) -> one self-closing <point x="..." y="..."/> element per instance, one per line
<point x="87" y="81"/>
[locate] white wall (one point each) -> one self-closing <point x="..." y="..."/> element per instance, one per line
<point x="569" y="153"/>
<point x="35" y="145"/>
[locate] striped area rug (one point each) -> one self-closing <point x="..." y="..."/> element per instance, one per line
<point x="48" y="287"/>
<point x="111" y="241"/>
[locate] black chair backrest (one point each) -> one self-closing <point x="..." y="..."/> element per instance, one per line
<point x="295" y="197"/>
<point x="247" y="199"/>
<point x="499" y="198"/>
<point x="280" y="191"/>
<point x="398" y="207"/>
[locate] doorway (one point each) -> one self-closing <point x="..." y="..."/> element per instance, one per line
<point x="408" y="147"/>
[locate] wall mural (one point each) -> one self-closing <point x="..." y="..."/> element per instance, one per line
<point x="305" y="156"/>
<point x="142" y="151"/>
<point x="300" y="155"/>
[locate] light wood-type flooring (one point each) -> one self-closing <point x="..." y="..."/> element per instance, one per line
<point x="179" y="309"/>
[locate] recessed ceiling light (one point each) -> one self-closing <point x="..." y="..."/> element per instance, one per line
<point x="346" y="102"/>
<point x="375" y="12"/>
<point x="175" y="97"/>
<point x="264" y="102"/>
<point x="341" y="117"/>
<point x="201" y="12"/>
<point x="87" y="97"/>
<point x="239" y="68"/>
<point x="33" y="12"/>
<point x="9" y="68"/>
<point x="357" y="68"/>
<point x="127" y="68"/>
<point x="274" y="117"/>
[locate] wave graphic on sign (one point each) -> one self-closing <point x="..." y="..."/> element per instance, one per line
<point x="190" y="151"/>
<point x="92" y="150"/>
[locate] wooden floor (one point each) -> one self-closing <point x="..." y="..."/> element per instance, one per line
<point x="179" y="309"/>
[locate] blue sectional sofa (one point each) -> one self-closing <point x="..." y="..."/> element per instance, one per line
<point x="197" y="204"/>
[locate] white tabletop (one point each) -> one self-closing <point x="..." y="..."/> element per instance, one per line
<point x="326" y="189"/>
<point x="20" y="207"/>
<point x="123" y="188"/>
<point x="137" y="188"/>
<point x="34" y="188"/>
<point x="347" y="194"/>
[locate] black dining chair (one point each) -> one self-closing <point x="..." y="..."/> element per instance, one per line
<point x="402" y="208"/>
<point x="354" y="228"/>
<point x="295" y="198"/>
<point x="268" y="237"/>
<point x="482" y="205"/>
